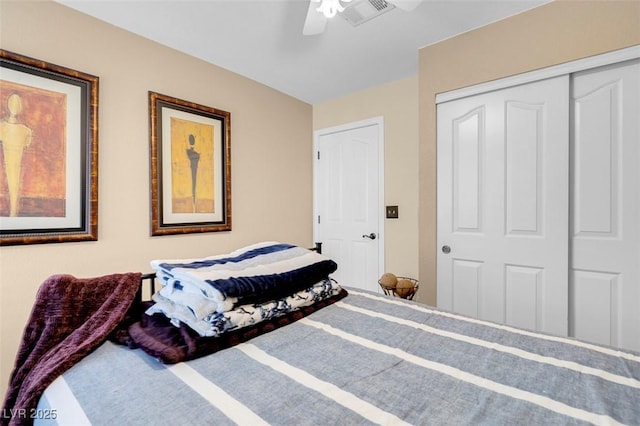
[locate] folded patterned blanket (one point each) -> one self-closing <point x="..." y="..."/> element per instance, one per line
<point x="216" y="323"/>
<point x="253" y="274"/>
<point x="156" y="336"/>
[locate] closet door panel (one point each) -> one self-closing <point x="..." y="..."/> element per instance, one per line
<point x="503" y="205"/>
<point x="524" y="139"/>
<point x="466" y="279"/>
<point x="605" y="280"/>
<point x="524" y="296"/>
<point x="595" y="298"/>
<point x="597" y="160"/>
<point x="468" y="147"/>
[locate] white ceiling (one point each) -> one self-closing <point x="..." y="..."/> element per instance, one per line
<point x="262" y="39"/>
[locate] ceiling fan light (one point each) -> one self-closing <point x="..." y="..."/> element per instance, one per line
<point x="329" y="8"/>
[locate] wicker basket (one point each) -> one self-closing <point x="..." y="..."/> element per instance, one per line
<point x="391" y="291"/>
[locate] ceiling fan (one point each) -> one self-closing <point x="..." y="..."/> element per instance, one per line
<point x="355" y="12"/>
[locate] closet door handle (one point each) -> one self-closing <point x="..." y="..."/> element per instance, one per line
<point x="446" y="249"/>
<point x="371" y="236"/>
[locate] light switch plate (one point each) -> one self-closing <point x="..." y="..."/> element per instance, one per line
<point x="392" y="212"/>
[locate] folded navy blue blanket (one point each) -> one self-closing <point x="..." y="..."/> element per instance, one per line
<point x="253" y="274"/>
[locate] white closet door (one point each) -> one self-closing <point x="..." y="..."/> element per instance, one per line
<point x="605" y="274"/>
<point x="503" y="207"/>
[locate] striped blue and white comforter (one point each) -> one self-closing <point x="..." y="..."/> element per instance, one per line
<point x="367" y="359"/>
<point x="255" y="273"/>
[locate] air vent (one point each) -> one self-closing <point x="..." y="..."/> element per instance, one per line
<point x="360" y="11"/>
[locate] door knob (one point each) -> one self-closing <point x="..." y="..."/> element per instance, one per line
<point x="371" y="236"/>
<point x="446" y="249"/>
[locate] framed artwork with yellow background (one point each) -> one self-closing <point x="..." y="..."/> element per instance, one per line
<point x="48" y="152"/>
<point x="190" y="167"/>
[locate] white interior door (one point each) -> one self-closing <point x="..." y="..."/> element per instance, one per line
<point x="503" y="207"/>
<point x="605" y="274"/>
<point x="349" y="202"/>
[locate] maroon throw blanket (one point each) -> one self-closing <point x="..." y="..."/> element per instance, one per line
<point x="70" y="318"/>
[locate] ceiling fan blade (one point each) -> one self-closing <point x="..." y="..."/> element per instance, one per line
<point x="315" y="21"/>
<point x="406" y="5"/>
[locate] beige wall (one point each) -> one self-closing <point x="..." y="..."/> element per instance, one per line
<point x="271" y="141"/>
<point x="554" y="33"/>
<point x="397" y="103"/>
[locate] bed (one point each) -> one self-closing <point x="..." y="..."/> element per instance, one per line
<point x="354" y="357"/>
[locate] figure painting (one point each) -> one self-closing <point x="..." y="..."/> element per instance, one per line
<point x="192" y="164"/>
<point x="48" y="152"/>
<point x="32" y="158"/>
<point x="190" y="147"/>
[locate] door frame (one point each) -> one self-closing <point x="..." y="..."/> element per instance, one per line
<point x="608" y="58"/>
<point x="374" y="121"/>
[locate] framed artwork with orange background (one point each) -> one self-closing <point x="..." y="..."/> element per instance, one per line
<point x="48" y="152"/>
<point x="190" y="167"/>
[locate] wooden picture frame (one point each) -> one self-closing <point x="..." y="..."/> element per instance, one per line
<point x="49" y="152"/>
<point x="190" y="167"/>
